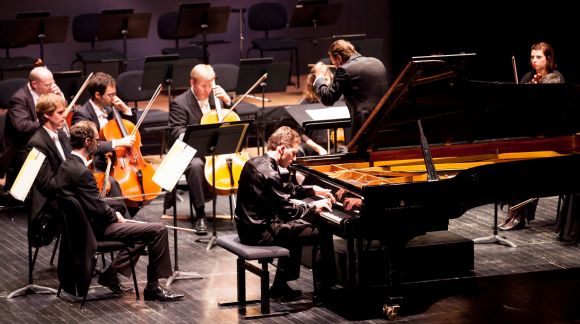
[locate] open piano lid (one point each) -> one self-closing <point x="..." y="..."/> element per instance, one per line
<point x="454" y="109"/>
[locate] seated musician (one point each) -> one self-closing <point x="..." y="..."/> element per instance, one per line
<point x="53" y="142"/>
<point x="187" y="109"/>
<point x="99" y="110"/>
<point x="75" y="179"/>
<point x="267" y="213"/>
<point x="544" y="72"/>
<point x="22" y="122"/>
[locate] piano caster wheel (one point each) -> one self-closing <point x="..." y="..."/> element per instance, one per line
<point x="391" y="312"/>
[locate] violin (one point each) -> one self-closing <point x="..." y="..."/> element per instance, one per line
<point x="130" y="170"/>
<point x="223" y="171"/>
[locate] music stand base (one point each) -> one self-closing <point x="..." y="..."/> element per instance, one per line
<point x="31" y="289"/>
<point x="209" y="240"/>
<point x="494" y="239"/>
<point x="177" y="275"/>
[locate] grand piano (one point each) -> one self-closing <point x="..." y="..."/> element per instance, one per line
<point x="438" y="144"/>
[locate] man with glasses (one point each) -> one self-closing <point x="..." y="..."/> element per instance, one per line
<point x="99" y="110"/>
<point x="74" y="179"/>
<point x="22" y="121"/>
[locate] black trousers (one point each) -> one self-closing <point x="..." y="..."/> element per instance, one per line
<point x="152" y="235"/>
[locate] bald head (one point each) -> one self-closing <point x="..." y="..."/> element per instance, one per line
<point x="41" y="80"/>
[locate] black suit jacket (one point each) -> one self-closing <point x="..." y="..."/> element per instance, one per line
<point x="75" y="179"/>
<point x="362" y="81"/>
<point x="183" y="111"/>
<point x="44" y="187"/>
<point x="21" y="123"/>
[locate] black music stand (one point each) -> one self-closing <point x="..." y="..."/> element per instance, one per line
<point x="200" y="18"/>
<point x="123" y="24"/>
<point x="315" y="13"/>
<point x="212" y="140"/>
<point x="40" y="28"/>
<point x="252" y="70"/>
<point x="303" y="116"/>
<point x="31" y="288"/>
<point x="166" y="69"/>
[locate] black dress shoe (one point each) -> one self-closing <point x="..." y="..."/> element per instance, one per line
<point x="200" y="226"/>
<point x="285" y="293"/>
<point x="161" y="294"/>
<point x="113" y="285"/>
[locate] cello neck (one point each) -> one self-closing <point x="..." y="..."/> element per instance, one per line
<point x="120" y="122"/>
<point x="218" y="104"/>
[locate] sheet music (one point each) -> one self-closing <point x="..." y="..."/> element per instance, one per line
<point x="173" y="165"/>
<point x="340" y="112"/>
<point x="27" y="174"/>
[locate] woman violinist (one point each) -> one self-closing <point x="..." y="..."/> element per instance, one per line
<point x="188" y="109"/>
<point x="99" y="110"/>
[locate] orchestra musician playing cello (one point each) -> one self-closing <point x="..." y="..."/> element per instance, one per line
<point x="188" y="109"/>
<point x="75" y="179"/>
<point x="99" y="110"/>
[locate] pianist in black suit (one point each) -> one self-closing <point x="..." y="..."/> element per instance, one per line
<point x="269" y="212"/>
<point x="543" y="72"/>
<point x="361" y="80"/>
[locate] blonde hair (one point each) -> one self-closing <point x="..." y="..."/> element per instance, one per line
<point x="47" y="105"/>
<point x="202" y="72"/>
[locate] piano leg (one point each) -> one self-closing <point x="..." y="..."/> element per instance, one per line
<point x="495" y="238"/>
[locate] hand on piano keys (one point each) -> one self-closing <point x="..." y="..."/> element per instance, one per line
<point x="324" y="193"/>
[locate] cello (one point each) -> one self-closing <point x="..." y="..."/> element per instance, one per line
<point x="228" y="167"/>
<point x="132" y="173"/>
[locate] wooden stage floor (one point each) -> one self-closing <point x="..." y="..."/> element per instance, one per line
<point x="538" y="281"/>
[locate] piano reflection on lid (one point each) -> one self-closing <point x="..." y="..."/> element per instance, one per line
<point x="487" y="142"/>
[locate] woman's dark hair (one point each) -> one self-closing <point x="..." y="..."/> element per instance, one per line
<point x="548" y="53"/>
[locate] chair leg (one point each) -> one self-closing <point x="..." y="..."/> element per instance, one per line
<point x="56" y="242"/>
<point x="88" y="284"/>
<point x="133" y="273"/>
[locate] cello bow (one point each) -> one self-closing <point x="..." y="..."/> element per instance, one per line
<point x="76" y="97"/>
<point x="260" y="80"/>
<point x="147" y="108"/>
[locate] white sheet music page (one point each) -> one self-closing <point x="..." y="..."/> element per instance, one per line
<point x="339" y="112"/>
<point x="173" y="165"/>
<point x="27" y="174"/>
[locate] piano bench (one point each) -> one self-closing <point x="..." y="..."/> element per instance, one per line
<point x="264" y="255"/>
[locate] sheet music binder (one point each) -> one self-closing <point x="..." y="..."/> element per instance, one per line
<point x="303" y="115"/>
<point x="173" y="165"/>
<point x="27" y="174"/>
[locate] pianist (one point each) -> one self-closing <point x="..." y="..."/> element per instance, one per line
<point x="269" y="212"/>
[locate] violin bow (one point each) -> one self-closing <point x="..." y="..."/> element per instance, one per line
<point x="262" y="78"/>
<point x="149" y="104"/>
<point x="76" y="97"/>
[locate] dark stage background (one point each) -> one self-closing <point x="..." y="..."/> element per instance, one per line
<point x="494" y="29"/>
